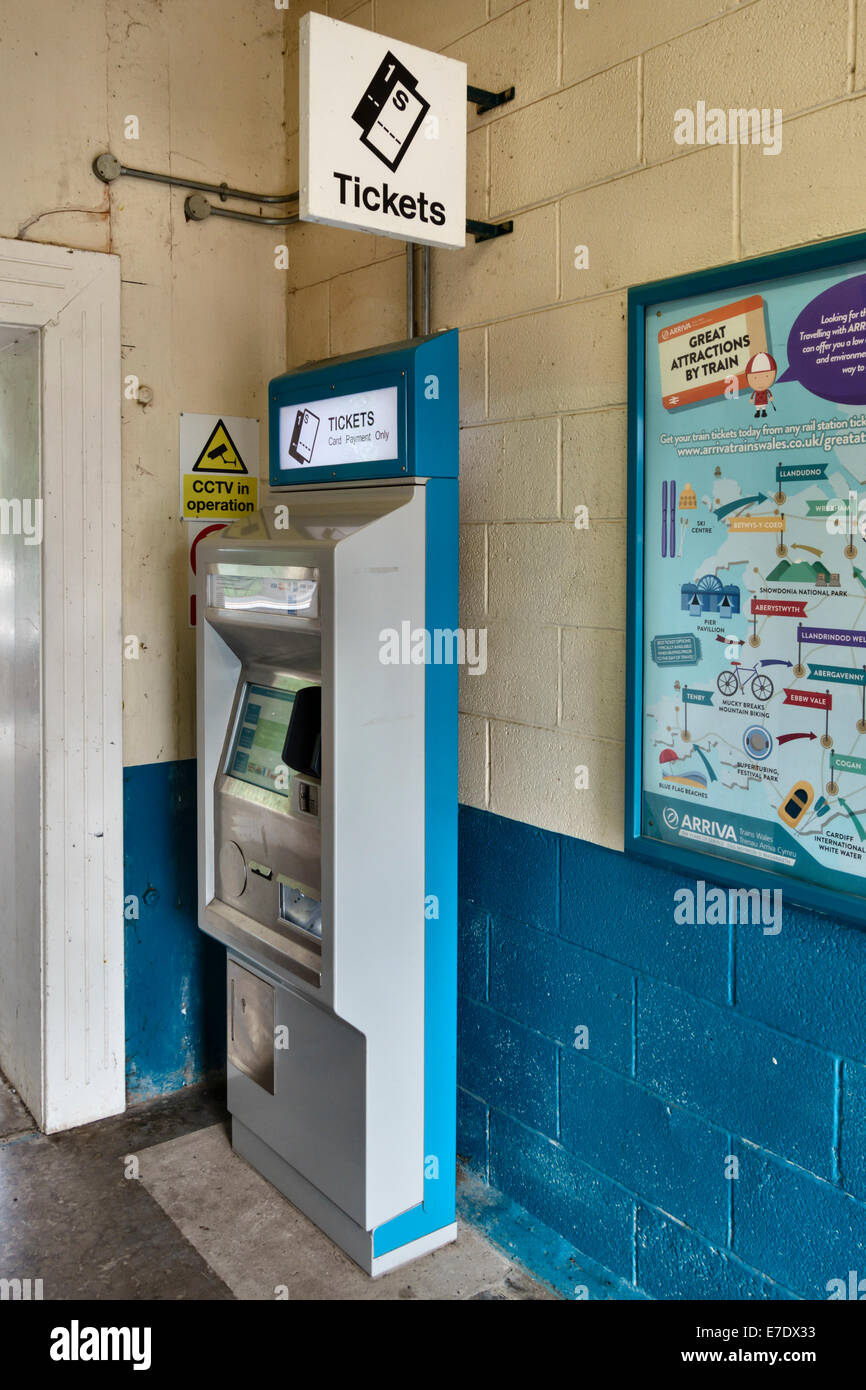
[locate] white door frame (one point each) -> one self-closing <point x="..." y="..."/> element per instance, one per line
<point x="73" y="297"/>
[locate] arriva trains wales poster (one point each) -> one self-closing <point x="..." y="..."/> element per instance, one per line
<point x="748" y="475"/>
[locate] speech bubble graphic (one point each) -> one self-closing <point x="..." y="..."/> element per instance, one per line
<point x="827" y="344"/>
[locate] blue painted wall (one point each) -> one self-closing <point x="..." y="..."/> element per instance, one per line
<point x="175" y="976"/>
<point x="704" y="1041"/>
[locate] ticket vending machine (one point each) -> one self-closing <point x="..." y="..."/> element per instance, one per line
<point x="327" y="798"/>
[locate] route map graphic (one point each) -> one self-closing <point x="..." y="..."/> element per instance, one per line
<point x="754" y="595"/>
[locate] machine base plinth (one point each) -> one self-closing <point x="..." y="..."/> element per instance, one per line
<point x="339" y="1227"/>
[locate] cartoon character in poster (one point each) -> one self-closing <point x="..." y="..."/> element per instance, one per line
<point x="760" y="375"/>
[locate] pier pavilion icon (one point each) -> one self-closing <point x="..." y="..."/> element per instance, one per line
<point x="710" y="595"/>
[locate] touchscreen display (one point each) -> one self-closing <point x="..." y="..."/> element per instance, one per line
<point x="257" y="752"/>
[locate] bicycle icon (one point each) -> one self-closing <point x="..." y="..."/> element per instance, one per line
<point x="733" y="681"/>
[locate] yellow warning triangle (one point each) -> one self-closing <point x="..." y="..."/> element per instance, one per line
<point x="219" y="454"/>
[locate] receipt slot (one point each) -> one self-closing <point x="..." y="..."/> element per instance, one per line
<point x="327" y="761"/>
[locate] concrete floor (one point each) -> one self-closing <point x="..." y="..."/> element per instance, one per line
<point x="154" y="1204"/>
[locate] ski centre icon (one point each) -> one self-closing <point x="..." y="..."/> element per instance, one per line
<point x="390" y="112"/>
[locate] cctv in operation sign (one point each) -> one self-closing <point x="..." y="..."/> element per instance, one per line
<point x="382" y="135"/>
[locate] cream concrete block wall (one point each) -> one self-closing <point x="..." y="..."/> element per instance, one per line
<point x="584" y="156"/>
<point x="492" y="489"/>
<point x="790" y="54"/>
<point x="203" y="307"/>
<point x="816" y="147"/>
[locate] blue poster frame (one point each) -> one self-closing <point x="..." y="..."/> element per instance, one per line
<point x="740" y="276"/>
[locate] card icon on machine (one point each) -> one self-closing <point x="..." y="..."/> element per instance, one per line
<point x="304" y="433"/>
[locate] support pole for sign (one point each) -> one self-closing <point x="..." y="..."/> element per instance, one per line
<point x="861" y="722"/>
<point x="410" y="289"/>
<point x="425" y="291"/>
<point x="686" y="734"/>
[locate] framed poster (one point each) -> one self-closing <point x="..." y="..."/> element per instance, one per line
<point x="746" y="734"/>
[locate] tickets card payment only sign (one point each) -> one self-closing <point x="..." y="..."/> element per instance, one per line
<point x="382" y="135"/>
<point x="219" y="467"/>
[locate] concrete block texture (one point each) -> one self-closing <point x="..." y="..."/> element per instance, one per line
<point x="519" y="48"/>
<point x="726" y="64"/>
<point x="624" y="910"/>
<point x="597" y="36"/>
<point x="493" y="488"/>
<point x="513" y="1068"/>
<point x="809" y="981"/>
<point x="739" y="1144"/>
<point x="517" y="680"/>
<point x="697" y="191"/>
<point x="593" y="1213"/>
<point x="674" y="1262"/>
<point x="581" y="135"/>
<point x="561" y="359"/>
<point x="653" y="1148"/>
<point x="594" y="464"/>
<point x="852" y="1138"/>
<point x="558" y="779"/>
<point x="472" y="764"/>
<point x="593" y="669"/>
<point x="509" y="868"/>
<point x="776" y="1091"/>
<point x="798" y="1230"/>
<point x="556" y="573"/>
<point x="828" y="203"/>
<point x="557" y="989"/>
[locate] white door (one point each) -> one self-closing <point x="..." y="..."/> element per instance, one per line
<point x="61" y="765"/>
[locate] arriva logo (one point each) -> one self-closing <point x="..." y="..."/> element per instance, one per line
<point x="702" y="826"/>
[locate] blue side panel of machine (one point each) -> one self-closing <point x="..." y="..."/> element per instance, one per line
<point x="440" y="1010"/>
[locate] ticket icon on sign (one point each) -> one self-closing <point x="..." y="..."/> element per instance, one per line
<point x="304" y="436"/>
<point x="390" y="111"/>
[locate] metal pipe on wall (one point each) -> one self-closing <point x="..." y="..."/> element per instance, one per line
<point x="107" y="168"/>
